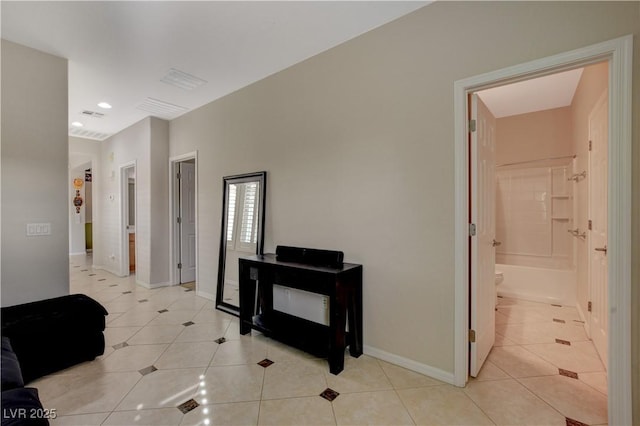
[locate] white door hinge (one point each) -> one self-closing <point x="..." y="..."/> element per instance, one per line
<point x="472" y="125"/>
<point x="472" y="229"/>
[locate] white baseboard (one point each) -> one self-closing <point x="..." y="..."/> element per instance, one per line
<point x="410" y="364"/>
<point x="77" y="253"/>
<point x="206" y="295"/>
<point x="154" y="285"/>
<point x="111" y="271"/>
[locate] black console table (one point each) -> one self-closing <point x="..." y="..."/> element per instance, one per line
<point x="343" y="286"/>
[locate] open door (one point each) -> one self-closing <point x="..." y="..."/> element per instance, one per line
<point x="598" y="267"/>
<point x="187" y="222"/>
<point x="482" y="244"/>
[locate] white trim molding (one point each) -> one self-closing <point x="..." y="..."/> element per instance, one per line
<point x="110" y="270"/>
<point x="206" y="295"/>
<point x="618" y="52"/>
<point x="410" y="364"/>
<point x="152" y="286"/>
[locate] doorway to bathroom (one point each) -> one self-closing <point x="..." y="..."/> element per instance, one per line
<point x="615" y="54"/>
<point x="535" y="176"/>
<point x="550" y="182"/>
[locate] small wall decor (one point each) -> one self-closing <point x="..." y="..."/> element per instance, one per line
<point x="77" y="200"/>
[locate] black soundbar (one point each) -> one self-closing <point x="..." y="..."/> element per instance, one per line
<point x="315" y="257"/>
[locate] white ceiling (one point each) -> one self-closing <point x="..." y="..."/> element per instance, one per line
<point x="538" y="94"/>
<point x="119" y="51"/>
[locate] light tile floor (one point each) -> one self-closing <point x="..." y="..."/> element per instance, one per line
<point x="162" y="352"/>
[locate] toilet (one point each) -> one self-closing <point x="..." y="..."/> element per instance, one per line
<point x="499" y="279"/>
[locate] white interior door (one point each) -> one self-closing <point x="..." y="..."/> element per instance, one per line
<point x="187" y="222"/>
<point x="483" y="189"/>
<point x="598" y="135"/>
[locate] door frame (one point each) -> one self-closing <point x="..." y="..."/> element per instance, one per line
<point x="618" y="52"/>
<point x="124" y="213"/>
<point x="174" y="212"/>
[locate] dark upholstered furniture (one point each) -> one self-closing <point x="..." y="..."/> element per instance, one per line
<point x="40" y="338"/>
<point x="53" y="334"/>
<point x="20" y="405"/>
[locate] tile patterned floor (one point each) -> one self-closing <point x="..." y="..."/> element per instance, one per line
<point x="163" y="366"/>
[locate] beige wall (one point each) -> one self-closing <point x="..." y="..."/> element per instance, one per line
<point x="34" y="174"/>
<point x="532" y="136"/>
<point x="159" y="169"/>
<point x="592" y="85"/>
<point x="359" y="146"/>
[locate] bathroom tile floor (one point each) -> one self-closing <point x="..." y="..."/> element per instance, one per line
<point x="165" y="364"/>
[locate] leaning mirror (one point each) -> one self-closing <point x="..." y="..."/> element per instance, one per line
<point x="241" y="233"/>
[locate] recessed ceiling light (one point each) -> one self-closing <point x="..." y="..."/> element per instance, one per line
<point x="104" y="105"/>
<point x="77" y="124"/>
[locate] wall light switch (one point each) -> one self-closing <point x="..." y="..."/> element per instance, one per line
<point x="38" y="229"/>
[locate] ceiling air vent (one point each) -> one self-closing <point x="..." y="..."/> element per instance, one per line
<point x="88" y="134"/>
<point x="93" y="114"/>
<point x="182" y="80"/>
<point x="161" y="109"/>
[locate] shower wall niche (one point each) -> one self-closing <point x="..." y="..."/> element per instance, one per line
<point x="534" y="215"/>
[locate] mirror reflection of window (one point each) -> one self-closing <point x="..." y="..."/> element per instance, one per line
<point x="231" y="215"/>
<point x="242" y="226"/>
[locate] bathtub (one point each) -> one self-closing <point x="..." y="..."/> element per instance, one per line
<point x="545" y="285"/>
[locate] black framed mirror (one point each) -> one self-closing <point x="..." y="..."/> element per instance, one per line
<point x="241" y="232"/>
